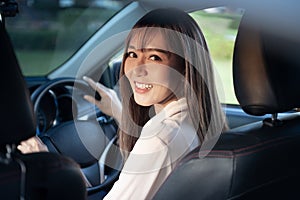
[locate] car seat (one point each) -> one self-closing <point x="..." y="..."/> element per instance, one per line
<point x="32" y="176"/>
<point x="259" y="160"/>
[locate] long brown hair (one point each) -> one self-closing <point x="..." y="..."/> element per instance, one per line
<point x="199" y="90"/>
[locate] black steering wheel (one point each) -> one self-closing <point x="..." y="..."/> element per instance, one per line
<point x="90" y="140"/>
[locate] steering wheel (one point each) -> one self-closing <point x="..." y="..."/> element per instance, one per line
<point x="84" y="139"/>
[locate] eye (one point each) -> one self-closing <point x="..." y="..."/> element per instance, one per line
<point x="155" y="58"/>
<point x="131" y="55"/>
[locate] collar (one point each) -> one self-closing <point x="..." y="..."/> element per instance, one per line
<point x="155" y="124"/>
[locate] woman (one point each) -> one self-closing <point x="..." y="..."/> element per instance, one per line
<point x="166" y="71"/>
<point x="169" y="101"/>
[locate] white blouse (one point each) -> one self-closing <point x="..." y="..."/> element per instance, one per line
<point x="164" y="140"/>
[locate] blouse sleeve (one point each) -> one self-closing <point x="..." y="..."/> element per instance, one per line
<point x="144" y="171"/>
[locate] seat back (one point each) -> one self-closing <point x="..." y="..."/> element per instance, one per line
<point x="32" y="176"/>
<point x="259" y="160"/>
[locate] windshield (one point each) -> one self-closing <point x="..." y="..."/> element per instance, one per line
<point x="46" y="33"/>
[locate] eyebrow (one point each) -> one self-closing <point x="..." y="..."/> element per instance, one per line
<point x="151" y="49"/>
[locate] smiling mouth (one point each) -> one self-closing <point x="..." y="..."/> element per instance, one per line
<point x="143" y="85"/>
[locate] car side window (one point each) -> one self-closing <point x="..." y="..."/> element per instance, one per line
<point x="219" y="26"/>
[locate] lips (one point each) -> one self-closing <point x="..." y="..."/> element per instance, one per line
<point x="142" y="87"/>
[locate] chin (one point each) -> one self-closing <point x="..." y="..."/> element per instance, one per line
<point x="142" y="102"/>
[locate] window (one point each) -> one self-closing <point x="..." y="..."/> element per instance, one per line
<point x="45" y="33"/>
<point x="219" y="26"/>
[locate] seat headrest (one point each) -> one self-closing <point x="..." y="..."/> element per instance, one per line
<point x="266" y="67"/>
<point x="17" y="120"/>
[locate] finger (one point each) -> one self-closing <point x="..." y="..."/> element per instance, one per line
<point x="20" y="147"/>
<point x="101" y="87"/>
<point x="32" y="142"/>
<point x="35" y="143"/>
<point x="24" y="148"/>
<point x="95" y="85"/>
<point x="91" y="82"/>
<point x="90" y="99"/>
<point x="25" y="144"/>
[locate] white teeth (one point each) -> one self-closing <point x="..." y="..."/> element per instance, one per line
<point x="143" y="86"/>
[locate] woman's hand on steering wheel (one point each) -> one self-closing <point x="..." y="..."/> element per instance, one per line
<point x="109" y="103"/>
<point x="32" y="145"/>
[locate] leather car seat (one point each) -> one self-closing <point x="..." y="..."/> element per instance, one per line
<point x="259" y="160"/>
<point x="32" y="176"/>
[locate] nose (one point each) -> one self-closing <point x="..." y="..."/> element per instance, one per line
<point x="140" y="69"/>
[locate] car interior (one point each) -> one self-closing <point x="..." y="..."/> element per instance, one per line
<point x="41" y="175"/>
<point x="255" y="159"/>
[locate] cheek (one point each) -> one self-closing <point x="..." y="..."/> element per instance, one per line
<point x="127" y="69"/>
<point x="169" y="78"/>
<point x="162" y="76"/>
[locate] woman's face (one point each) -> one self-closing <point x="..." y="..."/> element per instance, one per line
<point x="151" y="72"/>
